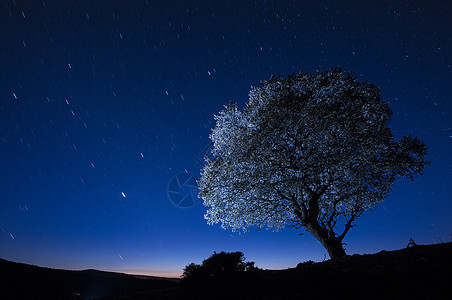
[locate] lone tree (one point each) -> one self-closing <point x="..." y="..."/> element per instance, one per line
<point x="311" y="151"/>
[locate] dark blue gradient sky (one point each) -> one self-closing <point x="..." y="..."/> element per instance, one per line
<point x="103" y="102"/>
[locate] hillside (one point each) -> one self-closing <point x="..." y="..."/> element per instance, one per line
<point x="21" y="281"/>
<point x="422" y="271"/>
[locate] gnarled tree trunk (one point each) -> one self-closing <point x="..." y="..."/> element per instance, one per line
<point x="330" y="242"/>
<point x="334" y="248"/>
<point x="308" y="218"/>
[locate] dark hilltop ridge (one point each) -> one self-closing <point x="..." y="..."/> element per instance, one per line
<point x="22" y="281"/>
<point x="420" y="271"/>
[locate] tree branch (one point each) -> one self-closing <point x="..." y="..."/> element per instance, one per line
<point x="355" y="214"/>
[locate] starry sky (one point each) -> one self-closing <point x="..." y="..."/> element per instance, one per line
<point x="106" y="108"/>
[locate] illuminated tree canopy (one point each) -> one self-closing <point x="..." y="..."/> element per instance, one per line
<point x="310" y="150"/>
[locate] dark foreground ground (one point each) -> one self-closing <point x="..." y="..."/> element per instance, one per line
<point x="420" y="272"/>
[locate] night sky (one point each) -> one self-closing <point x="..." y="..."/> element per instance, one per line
<point x="104" y="105"/>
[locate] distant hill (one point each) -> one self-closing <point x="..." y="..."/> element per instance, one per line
<point x="419" y="272"/>
<point x="22" y="281"/>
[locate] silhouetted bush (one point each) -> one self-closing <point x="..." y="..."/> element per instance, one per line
<point x="305" y="263"/>
<point x="218" y="275"/>
<point x="192" y="270"/>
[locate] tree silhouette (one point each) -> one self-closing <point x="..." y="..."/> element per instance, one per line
<point x="219" y="264"/>
<point x="221" y="274"/>
<point x="312" y="151"/>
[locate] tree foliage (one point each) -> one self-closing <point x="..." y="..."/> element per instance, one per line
<point x="220" y="264"/>
<point x="219" y="276"/>
<point x="312" y="150"/>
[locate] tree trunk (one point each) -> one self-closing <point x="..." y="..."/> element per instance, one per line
<point x="332" y="244"/>
<point x="334" y="248"/>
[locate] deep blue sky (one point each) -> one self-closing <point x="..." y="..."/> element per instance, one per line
<point x="103" y="102"/>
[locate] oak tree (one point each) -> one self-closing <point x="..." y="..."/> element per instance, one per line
<point x="310" y="150"/>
